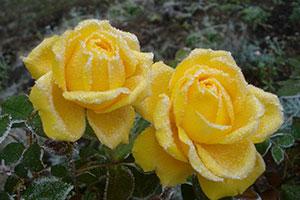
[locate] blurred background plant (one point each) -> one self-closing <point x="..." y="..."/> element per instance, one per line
<point x="263" y="37"/>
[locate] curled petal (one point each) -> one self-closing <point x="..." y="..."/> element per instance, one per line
<point x="61" y="119"/>
<point x="159" y="80"/>
<point x="97" y="101"/>
<point x="246" y="122"/>
<point x="58" y="68"/>
<point x="151" y="156"/>
<point x="131" y="39"/>
<point x="194" y="123"/>
<point x="194" y="158"/>
<point x="164" y="133"/>
<point x="201" y="130"/>
<point x="216" y="61"/>
<point x="114" y="127"/>
<point x="233" y="161"/>
<point x="231" y="187"/>
<point x="273" y="115"/>
<point x="92" y="25"/>
<point x="107" y="101"/>
<point x="40" y="59"/>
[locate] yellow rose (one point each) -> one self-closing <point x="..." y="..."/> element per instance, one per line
<point x="94" y="70"/>
<point x="206" y="119"/>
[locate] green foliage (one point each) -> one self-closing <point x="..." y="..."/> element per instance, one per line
<point x="278" y="144"/>
<point x="295" y="16"/>
<point x="32" y="158"/>
<point x="4" y="69"/>
<point x="11" y="152"/>
<point x="11" y="184"/>
<point x="119" y="183"/>
<point x="5" y="126"/>
<point x="47" y="188"/>
<point x="68" y="165"/>
<point x="254" y="15"/>
<point x="284" y="140"/>
<point x="290" y="192"/>
<point x="123" y="150"/>
<point x="145" y="184"/>
<point x="35" y="124"/>
<point x="277" y="153"/>
<point x="264" y="147"/>
<point x="127" y="10"/>
<point x="296" y="128"/>
<point x="5" y="196"/>
<point x="18" y="107"/>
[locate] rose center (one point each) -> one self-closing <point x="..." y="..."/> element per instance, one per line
<point x="210" y="85"/>
<point x="103" y="45"/>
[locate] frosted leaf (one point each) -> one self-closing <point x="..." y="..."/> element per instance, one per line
<point x="291" y="107"/>
<point x="47" y="188"/>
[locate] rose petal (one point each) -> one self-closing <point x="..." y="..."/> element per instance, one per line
<point x="164" y="134"/>
<point x="114" y="127"/>
<point x="62" y="119"/>
<point x="273" y="115"/>
<point x="97" y="101"/>
<point x="233" y="161"/>
<point x="194" y="158"/>
<point x="160" y="76"/>
<point x="231" y="187"/>
<point x="40" y="59"/>
<point x="246" y="122"/>
<point x="151" y="156"/>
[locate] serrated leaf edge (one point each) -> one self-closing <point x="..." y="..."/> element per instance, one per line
<point x="277" y="161"/>
<point x="8" y="128"/>
<point x="107" y="182"/>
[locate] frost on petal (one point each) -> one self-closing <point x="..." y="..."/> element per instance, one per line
<point x="61" y="119"/>
<point x="272" y="118"/>
<point x="231" y="187"/>
<point x="159" y="81"/>
<point x="114" y="127"/>
<point x="151" y="156"/>
<point x="40" y="59"/>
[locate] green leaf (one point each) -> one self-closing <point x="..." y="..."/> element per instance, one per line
<point x="32" y="158"/>
<point x="5" y="196"/>
<point x="145" y="184"/>
<point x="89" y="196"/>
<point x="197" y="189"/>
<point x="47" y="188"/>
<point x="187" y="192"/>
<point x="123" y="150"/>
<point x="119" y="184"/>
<point x="87" y="178"/>
<point x="12" y="152"/>
<point x="88" y="151"/>
<point x="35" y="124"/>
<point x="11" y="184"/>
<point x="284" y="140"/>
<point x="296" y="128"/>
<point x="59" y="171"/>
<point x="89" y="133"/>
<point x="263" y="147"/>
<point x="18" y="107"/>
<point x="289" y="87"/>
<point x="277" y="153"/>
<point x="5" y="126"/>
<point x="21" y="170"/>
<point x="179" y="56"/>
<point x="290" y="192"/>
